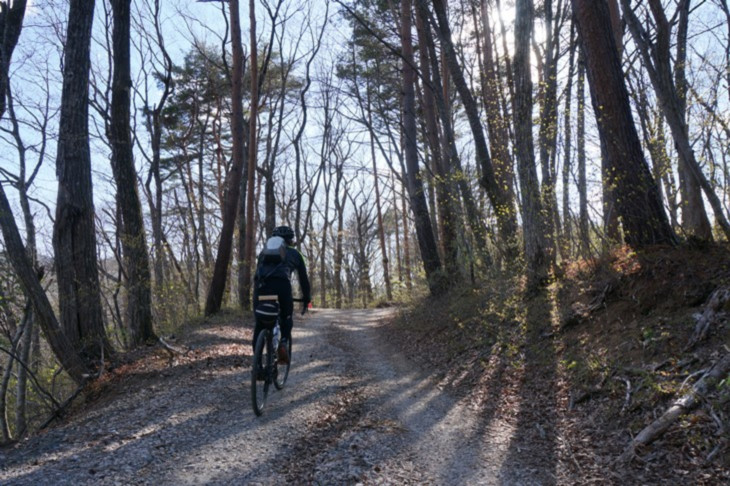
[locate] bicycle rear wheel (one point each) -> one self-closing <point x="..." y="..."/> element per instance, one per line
<point x="261" y="371"/>
<point x="283" y="369"/>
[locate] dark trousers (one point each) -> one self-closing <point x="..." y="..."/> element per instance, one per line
<point x="282" y="289"/>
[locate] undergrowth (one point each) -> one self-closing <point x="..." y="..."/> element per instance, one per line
<point x="606" y="342"/>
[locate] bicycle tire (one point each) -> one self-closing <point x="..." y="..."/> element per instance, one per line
<point x="283" y="370"/>
<point x="261" y="371"/>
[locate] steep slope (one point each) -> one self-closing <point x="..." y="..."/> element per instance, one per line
<point x="582" y="367"/>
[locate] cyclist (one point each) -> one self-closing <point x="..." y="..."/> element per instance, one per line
<point x="274" y="279"/>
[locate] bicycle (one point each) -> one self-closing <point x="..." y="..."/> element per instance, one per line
<point x="265" y="369"/>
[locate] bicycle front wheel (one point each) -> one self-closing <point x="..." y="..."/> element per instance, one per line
<point x="261" y="371"/>
<point x="283" y="369"/>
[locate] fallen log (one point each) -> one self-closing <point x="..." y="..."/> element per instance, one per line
<point x="689" y="401"/>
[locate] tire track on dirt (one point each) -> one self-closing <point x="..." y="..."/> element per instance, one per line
<point x="352" y="412"/>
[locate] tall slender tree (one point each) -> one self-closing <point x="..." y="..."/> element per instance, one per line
<point x="568" y="151"/>
<point x="424" y="230"/>
<point x="637" y="197"/>
<point x="548" y="132"/>
<point x="252" y="159"/>
<point x="496" y="122"/>
<point x="450" y="165"/>
<point x="153" y="114"/>
<point x="499" y="196"/>
<point x="443" y="177"/>
<point x="74" y="235"/>
<point x="63" y="348"/>
<point x="340" y="196"/>
<point x="533" y="222"/>
<point x="11" y="25"/>
<point x="28" y="345"/>
<point x="233" y="179"/>
<point x="134" y="240"/>
<point x="583" y="222"/>
<point x="379" y="209"/>
<point x="656" y="57"/>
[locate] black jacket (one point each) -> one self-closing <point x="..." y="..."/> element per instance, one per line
<point x="293" y="261"/>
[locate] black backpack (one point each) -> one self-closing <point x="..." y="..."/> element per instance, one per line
<point x="274" y="250"/>
<point x="271" y="258"/>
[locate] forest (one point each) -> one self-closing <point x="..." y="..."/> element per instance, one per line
<point x="417" y="148"/>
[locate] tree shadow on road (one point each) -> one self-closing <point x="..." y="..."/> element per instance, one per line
<point x="161" y="416"/>
<point x="533" y="450"/>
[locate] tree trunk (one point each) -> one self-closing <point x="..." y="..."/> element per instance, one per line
<point x="326" y="152"/>
<point x="134" y="240"/>
<point x="443" y="176"/>
<point x="202" y="205"/>
<point x="547" y="136"/>
<point x="233" y="179"/>
<point x="241" y="223"/>
<point x="424" y="230"/>
<point x="448" y="151"/>
<point x="499" y="196"/>
<point x="611" y="224"/>
<point x="670" y="186"/>
<point x="583" y="223"/>
<point x="269" y="195"/>
<point x="9" y="33"/>
<point x="62" y="347"/>
<point x="431" y="164"/>
<point x="21" y="424"/>
<point x="567" y="222"/>
<point x="533" y="221"/>
<point x="694" y="216"/>
<point x="7" y="374"/>
<point x="497" y="125"/>
<point x="340" y="210"/>
<point x="156" y="204"/>
<point x="653" y="134"/>
<point x="637" y="197"/>
<point x="362" y="226"/>
<point x="381" y="229"/>
<point x="74" y="236"/>
<point x="323" y="250"/>
<point x="396" y="225"/>
<point x="251" y="212"/>
<point x="154" y="122"/>
<point x="11" y="24"/>
<point x="657" y="63"/>
<point x="406" y="243"/>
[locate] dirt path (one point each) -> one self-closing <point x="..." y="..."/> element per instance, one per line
<point x="351" y="413"/>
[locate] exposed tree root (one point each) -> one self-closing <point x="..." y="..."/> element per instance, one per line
<point x="171" y="350"/>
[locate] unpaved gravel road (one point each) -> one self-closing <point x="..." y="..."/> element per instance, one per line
<point x="351" y="413"/>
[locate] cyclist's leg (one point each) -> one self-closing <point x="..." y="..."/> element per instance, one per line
<point x="258" y="327"/>
<point x="256" y="332"/>
<point x="286" y="310"/>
